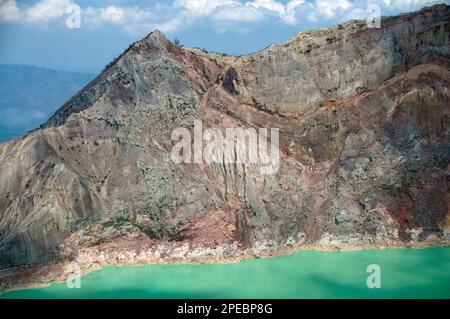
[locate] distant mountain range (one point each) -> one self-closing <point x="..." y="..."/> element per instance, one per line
<point x="29" y="95"/>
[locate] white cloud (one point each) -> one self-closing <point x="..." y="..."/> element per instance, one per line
<point x="112" y="14"/>
<point x="239" y="11"/>
<point x="131" y="19"/>
<point x="201" y="8"/>
<point x="287" y="13"/>
<point x="238" y="14"/>
<point x="171" y="25"/>
<point x="357" y="14"/>
<point x="9" y="12"/>
<point x="405" y="4"/>
<point x="218" y="10"/>
<point x="183" y="13"/>
<point x="47" y="10"/>
<point x="116" y="15"/>
<point x="329" y="8"/>
<point x="270" y="5"/>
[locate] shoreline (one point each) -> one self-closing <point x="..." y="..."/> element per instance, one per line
<point x="246" y="255"/>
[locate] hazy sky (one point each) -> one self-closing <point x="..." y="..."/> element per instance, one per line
<point x="45" y="32"/>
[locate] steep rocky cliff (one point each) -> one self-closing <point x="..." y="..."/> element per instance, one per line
<point x="364" y="120"/>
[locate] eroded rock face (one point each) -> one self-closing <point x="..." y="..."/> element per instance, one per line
<point x="364" y="138"/>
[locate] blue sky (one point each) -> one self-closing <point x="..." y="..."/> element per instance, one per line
<point x="36" y="32"/>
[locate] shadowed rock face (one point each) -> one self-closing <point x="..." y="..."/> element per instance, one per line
<point x="364" y="120"/>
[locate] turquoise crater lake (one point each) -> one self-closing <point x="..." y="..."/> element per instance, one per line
<point x="405" y="273"/>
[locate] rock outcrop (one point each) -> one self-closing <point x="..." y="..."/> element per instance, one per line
<point x="364" y="119"/>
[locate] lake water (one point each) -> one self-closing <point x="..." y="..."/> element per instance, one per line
<point x="405" y="273"/>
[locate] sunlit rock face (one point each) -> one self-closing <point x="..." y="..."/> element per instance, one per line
<point x="364" y="119"/>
